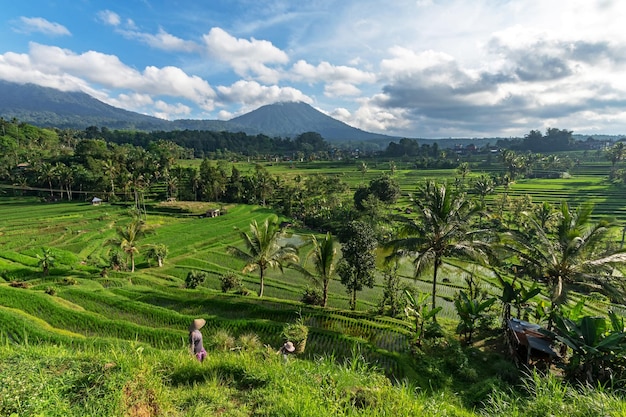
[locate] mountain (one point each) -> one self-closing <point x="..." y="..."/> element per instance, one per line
<point x="48" y="107"/>
<point x="292" y="118"/>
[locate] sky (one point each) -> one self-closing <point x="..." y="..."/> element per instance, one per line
<point x="411" y="68"/>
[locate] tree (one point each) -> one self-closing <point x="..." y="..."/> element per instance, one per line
<point x="463" y="170"/>
<point x="195" y="278"/>
<point x="470" y="310"/>
<point x="483" y="186"/>
<point x="391" y="300"/>
<point x="46" y="260"/>
<point x="573" y="254"/>
<point x="158" y="253"/>
<point x="615" y="154"/>
<point x="419" y="313"/>
<point x="324" y="255"/>
<point x="356" y="268"/>
<point x="128" y="237"/>
<point x="264" y="250"/>
<point x="363" y="168"/>
<point x="385" y="188"/>
<point x="545" y="215"/>
<point x="443" y="229"/>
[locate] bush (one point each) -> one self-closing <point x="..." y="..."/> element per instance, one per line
<point x="312" y="297"/>
<point x="222" y="340"/>
<point x="51" y="291"/>
<point x="297" y="333"/>
<point x="195" y="278"/>
<point x="69" y="281"/>
<point x="249" y="342"/>
<point x="230" y="281"/>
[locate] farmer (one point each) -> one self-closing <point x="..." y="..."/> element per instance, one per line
<point x="195" y="339"/>
<point x="286" y="349"/>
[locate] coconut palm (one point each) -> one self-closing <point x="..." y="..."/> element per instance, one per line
<point x="325" y="259"/>
<point x="128" y="237"/>
<point x="264" y="250"/>
<point x="575" y="253"/>
<point x="442" y="230"/>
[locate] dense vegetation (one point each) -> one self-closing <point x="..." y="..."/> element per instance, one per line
<point x="404" y="306"/>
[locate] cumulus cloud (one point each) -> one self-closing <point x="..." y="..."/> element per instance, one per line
<point x="56" y="67"/>
<point x="341" y="89"/>
<point x="39" y="24"/>
<point x="338" y="80"/>
<point x="251" y="94"/>
<point x="246" y="57"/>
<point x="326" y="72"/>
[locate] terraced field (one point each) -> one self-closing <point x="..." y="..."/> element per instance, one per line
<point x="76" y="305"/>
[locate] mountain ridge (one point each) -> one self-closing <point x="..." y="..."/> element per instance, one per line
<point x="49" y="107"/>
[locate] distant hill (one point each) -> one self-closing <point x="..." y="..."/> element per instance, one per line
<point x="292" y="118"/>
<point x="48" y="107"/>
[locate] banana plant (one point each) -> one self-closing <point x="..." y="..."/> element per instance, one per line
<point x="470" y="311"/>
<point x="418" y="311"/>
<point x="598" y="347"/>
<point x="514" y="294"/>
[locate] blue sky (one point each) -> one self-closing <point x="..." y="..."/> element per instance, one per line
<point x="418" y="68"/>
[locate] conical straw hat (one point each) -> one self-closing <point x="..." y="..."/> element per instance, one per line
<point x="197" y="324"/>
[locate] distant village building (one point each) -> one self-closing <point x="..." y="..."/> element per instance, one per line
<point x="96" y="201"/>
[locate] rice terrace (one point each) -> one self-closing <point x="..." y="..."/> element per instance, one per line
<point x="411" y="272"/>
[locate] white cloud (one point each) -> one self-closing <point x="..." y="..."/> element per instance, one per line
<point x="109" y="18"/>
<point x="39" y="24"/>
<point x="53" y="66"/>
<point x="247" y="57"/>
<point x="341" y="89"/>
<point x="326" y="72"/>
<point x="171" y="111"/>
<point x="251" y="94"/>
<point x="162" y="40"/>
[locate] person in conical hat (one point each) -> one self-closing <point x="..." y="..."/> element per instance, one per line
<point x="195" y="339"/>
<point x="286" y="349"/>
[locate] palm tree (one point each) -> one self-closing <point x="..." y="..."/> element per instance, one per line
<point x="442" y="230"/>
<point x="128" y="237"/>
<point x="264" y="249"/>
<point x="573" y="254"/>
<point x="325" y="259"/>
<point x="483" y="186"/>
<point x="45" y="173"/>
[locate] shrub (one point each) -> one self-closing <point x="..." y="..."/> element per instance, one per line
<point x="195" y="278"/>
<point x="69" y="281"/>
<point x="312" y="297"/>
<point x="18" y="284"/>
<point x="249" y="341"/>
<point x="51" y="291"/>
<point x="230" y="281"/>
<point x="118" y="262"/>
<point x="297" y="333"/>
<point x="222" y="340"/>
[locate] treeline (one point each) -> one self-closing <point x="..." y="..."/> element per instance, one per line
<point x="205" y="143"/>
